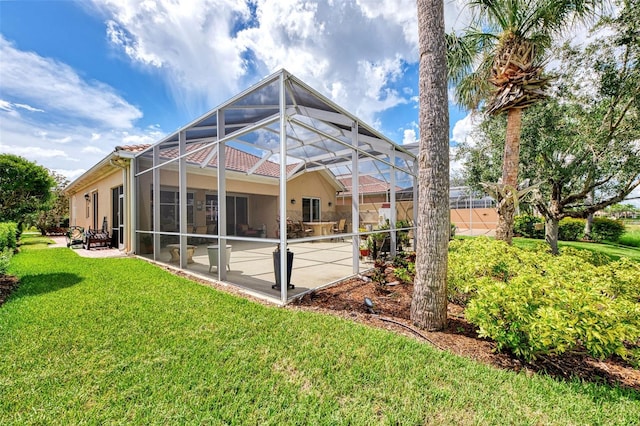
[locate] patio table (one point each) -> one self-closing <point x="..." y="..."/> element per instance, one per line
<point x="320" y="228"/>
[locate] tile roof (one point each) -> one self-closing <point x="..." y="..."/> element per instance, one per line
<point x="133" y="148"/>
<point x="236" y="160"/>
<point x="367" y="185"/>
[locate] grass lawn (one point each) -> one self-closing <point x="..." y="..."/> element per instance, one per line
<point x="119" y="341"/>
<point x="614" y="251"/>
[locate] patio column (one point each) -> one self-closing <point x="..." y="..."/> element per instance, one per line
<point x="283" y="192"/>
<point x="182" y="194"/>
<point x="392" y="200"/>
<point x="222" y="197"/>
<point x="355" y="199"/>
<point x="156" y="202"/>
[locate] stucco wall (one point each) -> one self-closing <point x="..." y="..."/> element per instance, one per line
<point x="78" y="205"/>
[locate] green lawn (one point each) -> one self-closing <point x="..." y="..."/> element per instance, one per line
<point x="614" y="251"/>
<point x="119" y="341"/>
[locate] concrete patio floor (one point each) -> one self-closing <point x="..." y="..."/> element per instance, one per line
<point x="315" y="264"/>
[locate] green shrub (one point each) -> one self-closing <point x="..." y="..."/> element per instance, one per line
<point x="571" y="229"/>
<point x="604" y="229"/>
<point x="5" y="259"/>
<point x="533" y="303"/>
<point x="524" y="225"/>
<point x="8" y="235"/>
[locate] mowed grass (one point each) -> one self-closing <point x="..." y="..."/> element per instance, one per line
<point x="631" y="237"/>
<point x="120" y="341"/>
<point x="614" y="251"/>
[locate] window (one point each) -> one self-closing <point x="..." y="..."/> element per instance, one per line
<point x="170" y="210"/>
<point x="311" y="209"/>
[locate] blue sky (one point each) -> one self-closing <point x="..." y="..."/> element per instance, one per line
<point x="79" y="78"/>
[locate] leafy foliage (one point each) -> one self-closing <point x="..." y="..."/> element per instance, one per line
<point x="56" y="212"/>
<point x="5" y="258"/>
<point x="607" y="229"/>
<point x="524" y="225"/>
<point x="8" y="235"/>
<point x="571" y="229"/>
<point x="533" y="303"/>
<point x="25" y="188"/>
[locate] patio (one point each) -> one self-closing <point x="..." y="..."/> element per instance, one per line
<point x="241" y="173"/>
<point x="251" y="268"/>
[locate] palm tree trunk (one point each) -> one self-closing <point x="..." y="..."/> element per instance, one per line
<point x="429" y="303"/>
<point x="510" y="165"/>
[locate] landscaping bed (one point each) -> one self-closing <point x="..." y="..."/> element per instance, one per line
<point x="392" y="312"/>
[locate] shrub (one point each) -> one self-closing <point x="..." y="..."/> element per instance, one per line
<point x="8" y="235"/>
<point x="604" y="229"/>
<point x="5" y="258"/>
<point x="533" y="303"/>
<point x="571" y="229"/>
<point x="525" y="226"/>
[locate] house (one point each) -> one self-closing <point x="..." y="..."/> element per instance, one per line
<point x="282" y="145"/>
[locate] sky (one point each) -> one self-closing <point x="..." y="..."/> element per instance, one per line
<point x="78" y="78"/>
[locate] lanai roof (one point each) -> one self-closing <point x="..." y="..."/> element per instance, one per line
<point x="319" y="135"/>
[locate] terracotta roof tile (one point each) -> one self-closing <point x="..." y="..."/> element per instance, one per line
<point x="236" y="160"/>
<point x="133" y="148"/>
<point x="367" y="185"/>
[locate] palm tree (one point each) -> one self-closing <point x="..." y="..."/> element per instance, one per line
<point x="429" y="302"/>
<point x="497" y="63"/>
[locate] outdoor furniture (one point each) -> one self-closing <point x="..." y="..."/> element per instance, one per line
<point x="94" y="238"/>
<point x="174" y="250"/>
<point x="340" y="228"/>
<point x="245" y="230"/>
<point x="75" y="236"/>
<point x="320" y="228"/>
<point x="213" y="256"/>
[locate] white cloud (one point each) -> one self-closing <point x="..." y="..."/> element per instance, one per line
<point x="49" y="114"/>
<point x="57" y="88"/>
<point x="409" y="136"/>
<point x="93" y="150"/>
<point x="353" y="51"/>
<point x="463" y="129"/>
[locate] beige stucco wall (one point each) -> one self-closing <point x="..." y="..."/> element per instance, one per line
<point x="78" y="205"/>
<point x="313" y="185"/>
<point x="263" y="196"/>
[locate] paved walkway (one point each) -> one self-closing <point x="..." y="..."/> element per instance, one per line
<point x="103" y="252"/>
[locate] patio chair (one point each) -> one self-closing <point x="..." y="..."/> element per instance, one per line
<point x="75" y="236"/>
<point x="339" y="229"/>
<point x="304" y="231"/>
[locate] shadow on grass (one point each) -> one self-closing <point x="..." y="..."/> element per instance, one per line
<point x="33" y="285"/>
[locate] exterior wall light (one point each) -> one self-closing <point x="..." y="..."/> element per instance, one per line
<point x="293" y="201"/>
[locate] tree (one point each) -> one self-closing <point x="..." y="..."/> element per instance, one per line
<point x="498" y="63"/>
<point x="582" y="146"/>
<point x="429" y="302"/>
<point x="25" y="188"/>
<point x="56" y="210"/>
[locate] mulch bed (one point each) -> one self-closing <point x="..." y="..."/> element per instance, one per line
<point x="392" y="312"/>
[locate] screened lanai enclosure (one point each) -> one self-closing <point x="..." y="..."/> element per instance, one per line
<point x="254" y="190"/>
